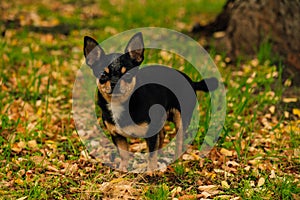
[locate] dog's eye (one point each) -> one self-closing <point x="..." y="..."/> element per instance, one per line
<point x="128" y="77"/>
<point x="103" y="77"/>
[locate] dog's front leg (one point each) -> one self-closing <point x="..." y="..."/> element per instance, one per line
<point x="122" y="145"/>
<point x="153" y="144"/>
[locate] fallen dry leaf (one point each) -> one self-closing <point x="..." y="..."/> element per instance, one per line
<point x="165" y="55"/>
<point x="32" y="144"/>
<point x="176" y="191"/>
<point x="19" y="181"/>
<point x="188" y="157"/>
<point x="272" y="109"/>
<point x="207" y="194"/>
<point x="23" y="198"/>
<point x="286" y="114"/>
<point x="51" y="144"/>
<point x="40" y="160"/>
<point x="225" y="184"/>
<point x="296" y="111"/>
<point x="232" y="163"/>
<point x="52" y="168"/>
<point x="208" y="188"/>
<point x="261" y="182"/>
<point x="289" y="100"/>
<point x="189" y="197"/>
<point x="272" y="175"/>
<point x="287" y="83"/>
<point x="18" y="147"/>
<point x="226" y="152"/>
<point x="227" y="174"/>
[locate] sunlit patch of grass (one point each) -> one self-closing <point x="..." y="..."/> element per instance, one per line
<point x="158" y="192"/>
<point x="249" y="97"/>
<point x="179" y="169"/>
<point x="274" y="188"/>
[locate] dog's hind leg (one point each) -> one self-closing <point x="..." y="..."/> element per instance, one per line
<point x="152" y="144"/>
<point x="161" y="138"/>
<point x="177" y="119"/>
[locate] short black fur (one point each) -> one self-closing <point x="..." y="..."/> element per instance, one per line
<point x="109" y="69"/>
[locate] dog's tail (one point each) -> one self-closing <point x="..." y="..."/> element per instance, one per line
<point x="206" y="85"/>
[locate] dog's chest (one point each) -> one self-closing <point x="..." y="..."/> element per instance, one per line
<point x="117" y="110"/>
<point x="124" y="124"/>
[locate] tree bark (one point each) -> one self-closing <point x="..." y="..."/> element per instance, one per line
<point x="250" y="23"/>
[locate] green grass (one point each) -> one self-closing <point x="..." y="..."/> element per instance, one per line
<point x="158" y="192"/>
<point x="282" y="188"/>
<point x="37" y="72"/>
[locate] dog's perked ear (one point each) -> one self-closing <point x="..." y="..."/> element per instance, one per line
<point x="92" y="51"/>
<point x="135" y="48"/>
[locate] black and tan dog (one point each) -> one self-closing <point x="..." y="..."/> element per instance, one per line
<point x="117" y="80"/>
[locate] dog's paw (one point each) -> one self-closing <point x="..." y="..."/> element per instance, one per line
<point x="123" y="166"/>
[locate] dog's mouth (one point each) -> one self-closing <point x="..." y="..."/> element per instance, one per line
<point x="118" y="92"/>
<point x="119" y="96"/>
<point x="116" y="95"/>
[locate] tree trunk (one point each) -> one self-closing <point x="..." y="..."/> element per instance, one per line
<point x="250" y="23"/>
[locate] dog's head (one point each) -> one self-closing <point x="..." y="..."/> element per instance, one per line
<point x="115" y="72"/>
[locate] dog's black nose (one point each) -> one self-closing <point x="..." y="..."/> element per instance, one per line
<point x="112" y="85"/>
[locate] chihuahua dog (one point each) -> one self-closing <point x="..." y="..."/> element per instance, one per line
<point x="117" y="78"/>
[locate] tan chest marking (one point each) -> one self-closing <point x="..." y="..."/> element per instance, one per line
<point x="136" y="130"/>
